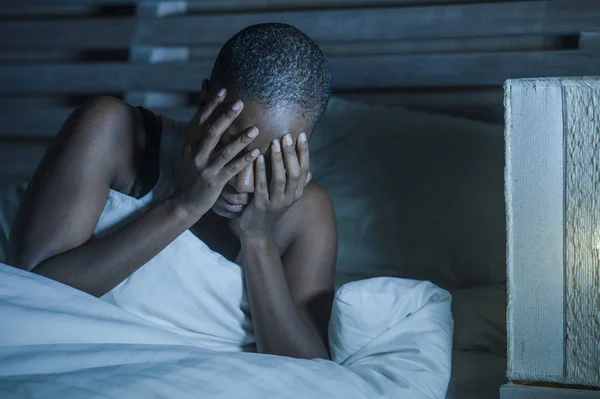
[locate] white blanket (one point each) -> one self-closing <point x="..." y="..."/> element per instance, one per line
<point x="57" y="342"/>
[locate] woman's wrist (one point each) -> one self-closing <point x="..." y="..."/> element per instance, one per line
<point x="256" y="238"/>
<point x="183" y="212"/>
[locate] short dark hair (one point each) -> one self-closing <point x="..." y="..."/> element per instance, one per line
<point x="276" y="65"/>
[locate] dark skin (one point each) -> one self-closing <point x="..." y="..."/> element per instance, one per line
<point x="284" y="226"/>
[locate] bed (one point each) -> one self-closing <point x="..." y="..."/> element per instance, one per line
<point x="372" y="245"/>
<point x="405" y="84"/>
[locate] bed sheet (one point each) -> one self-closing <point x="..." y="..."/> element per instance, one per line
<point x="58" y="342"/>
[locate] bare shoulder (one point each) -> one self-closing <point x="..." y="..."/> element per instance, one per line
<point x="107" y="105"/>
<point x="315" y="201"/>
<point x="108" y="110"/>
<point x="312" y="214"/>
<point x="103" y="118"/>
<point x="107" y="132"/>
<point x="92" y="153"/>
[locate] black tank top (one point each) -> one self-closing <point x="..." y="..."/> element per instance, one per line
<point x="147" y="167"/>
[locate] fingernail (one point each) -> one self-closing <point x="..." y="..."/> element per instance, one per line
<point x="276" y="146"/>
<point x="255" y="152"/>
<point x="302" y="137"/>
<point x="221" y="93"/>
<point x="253" y="133"/>
<point x="261" y="158"/>
<point x="287" y="139"/>
<point x="237" y="105"/>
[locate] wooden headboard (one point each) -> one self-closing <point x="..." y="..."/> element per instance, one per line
<point x="438" y="55"/>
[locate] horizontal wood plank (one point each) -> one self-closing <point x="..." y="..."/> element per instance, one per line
<point x="15" y="10"/>
<point x="482" y="104"/>
<point x="18" y="56"/>
<point x="29" y="101"/>
<point x="28" y="122"/>
<point x="32" y="121"/>
<point x="64" y="78"/>
<point x="266" y="5"/>
<point x="20" y="157"/>
<point x="485" y="69"/>
<point x="435" y="46"/>
<point x="589" y="41"/>
<point x="23" y="4"/>
<point x="393" y="23"/>
<point x="358" y="72"/>
<point x="211" y="5"/>
<point x="514" y="391"/>
<point x="91" y="33"/>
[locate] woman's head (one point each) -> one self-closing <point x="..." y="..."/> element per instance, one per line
<point x="276" y="66"/>
<point x="283" y="79"/>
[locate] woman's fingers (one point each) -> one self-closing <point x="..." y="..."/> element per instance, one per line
<point x="235" y="167"/>
<point x="211" y="106"/>
<point x="292" y="166"/>
<point x="200" y="117"/>
<point x="304" y="161"/>
<point x="231" y="151"/>
<point x="212" y="133"/>
<point x="261" y="187"/>
<point x="278" y="180"/>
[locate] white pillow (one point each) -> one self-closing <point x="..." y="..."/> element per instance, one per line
<point x="396" y="330"/>
<point x="416" y="195"/>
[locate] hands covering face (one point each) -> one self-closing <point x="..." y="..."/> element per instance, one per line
<point x="290" y="173"/>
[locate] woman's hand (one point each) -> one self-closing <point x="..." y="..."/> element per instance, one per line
<point x="287" y="185"/>
<point x="202" y="173"/>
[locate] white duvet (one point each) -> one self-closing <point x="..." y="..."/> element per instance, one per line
<point x="390" y="338"/>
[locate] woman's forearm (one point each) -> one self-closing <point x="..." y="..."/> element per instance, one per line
<point x="279" y="327"/>
<point x="101" y="264"/>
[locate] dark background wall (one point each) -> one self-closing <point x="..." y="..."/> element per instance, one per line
<point x="438" y="55"/>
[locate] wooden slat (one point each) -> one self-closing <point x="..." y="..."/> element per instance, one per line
<point x="23" y="4"/>
<point x="28" y="101"/>
<point x="151" y="55"/>
<point x="395" y="23"/>
<point x="18" y="56"/>
<point x="516" y="43"/>
<point x="105" y="33"/>
<point x="402" y="71"/>
<point x="513" y="391"/>
<point x="46" y="11"/>
<point x="30" y="120"/>
<point x="495" y="44"/>
<point x="534" y="181"/>
<point x="21" y="157"/>
<point x="458" y="69"/>
<point x="348" y="72"/>
<point x="21" y="119"/>
<point x="34" y="122"/>
<point x="212" y="5"/>
<point x="482" y="104"/>
<point x="64" y="78"/>
<point x="589" y="41"/>
<point x="361" y="72"/>
<point x="265" y="5"/>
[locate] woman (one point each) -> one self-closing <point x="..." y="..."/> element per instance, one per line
<point x="241" y="186"/>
